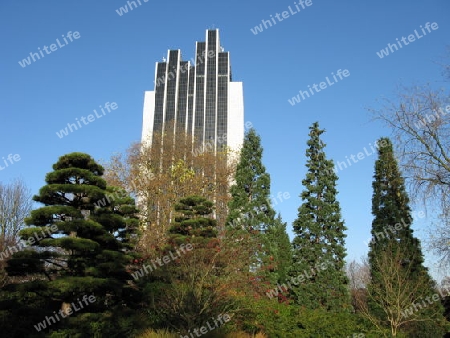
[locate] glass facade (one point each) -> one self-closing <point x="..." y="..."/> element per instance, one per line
<point x="159" y="97"/>
<point x="182" y="95"/>
<point x="199" y="97"/>
<point x="171" y="94"/>
<point x="191" y="99"/>
<point x="196" y="96"/>
<point x="211" y="82"/>
<point x="222" y="101"/>
<point x="199" y="93"/>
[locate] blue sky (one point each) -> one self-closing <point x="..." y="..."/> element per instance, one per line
<point x="113" y="60"/>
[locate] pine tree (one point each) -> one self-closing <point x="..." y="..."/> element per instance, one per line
<point x="280" y="250"/>
<point x="250" y="209"/>
<point x="250" y="206"/>
<point x="192" y="225"/>
<point x="392" y="237"/>
<point x="192" y="283"/>
<point x="318" y="247"/>
<point x="80" y="248"/>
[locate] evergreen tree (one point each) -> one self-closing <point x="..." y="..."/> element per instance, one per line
<point x="81" y="249"/>
<point x="250" y="209"/>
<point x="193" y="283"/>
<point x="318" y="247"/>
<point x="250" y="206"/>
<point x="192" y="225"/>
<point x="392" y="236"/>
<point x="280" y="252"/>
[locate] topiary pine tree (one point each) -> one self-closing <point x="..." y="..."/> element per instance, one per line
<point x="82" y="248"/>
<point x="392" y="236"/>
<point x="192" y="225"/>
<point x="118" y="214"/>
<point x="193" y="283"/>
<point x="318" y="247"/>
<point x="250" y="208"/>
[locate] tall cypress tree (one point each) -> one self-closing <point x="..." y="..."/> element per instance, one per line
<point x="250" y="209"/>
<point x="250" y="206"/>
<point x="392" y="236"/>
<point x="318" y="247"/>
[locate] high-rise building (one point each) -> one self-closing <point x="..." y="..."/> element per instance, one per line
<point x="199" y="97"/>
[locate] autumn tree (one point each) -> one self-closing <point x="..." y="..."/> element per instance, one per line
<point x="170" y="168"/>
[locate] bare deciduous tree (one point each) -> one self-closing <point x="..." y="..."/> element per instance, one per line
<point x="420" y="122"/>
<point x="397" y="296"/>
<point x="419" y="118"/>
<point x="15" y="205"/>
<point x="358" y="275"/>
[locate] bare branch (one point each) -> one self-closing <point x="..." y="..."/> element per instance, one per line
<point x="419" y="119"/>
<point x="15" y="205"/>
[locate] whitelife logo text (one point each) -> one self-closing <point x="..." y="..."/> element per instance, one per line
<point x="86" y="120"/>
<point x="53" y="48"/>
<point x="411" y="38"/>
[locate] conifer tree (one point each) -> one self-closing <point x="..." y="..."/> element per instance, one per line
<point x="250" y="209"/>
<point x="250" y="206"/>
<point x="194" y="286"/>
<point x="318" y="247"/>
<point x="280" y="251"/>
<point x="193" y="225"/>
<point x="393" y="237"/>
<point x="77" y="248"/>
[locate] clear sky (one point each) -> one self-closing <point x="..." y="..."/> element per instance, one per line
<point x="111" y="58"/>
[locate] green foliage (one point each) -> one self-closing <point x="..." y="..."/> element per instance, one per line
<point x="81" y="250"/>
<point x="82" y="241"/>
<point x="250" y="205"/>
<point x="163" y="333"/>
<point x="321" y="323"/>
<point x="251" y="211"/>
<point x="280" y="250"/>
<point x="115" y="324"/>
<point x="21" y="309"/>
<point x="188" y="291"/>
<point x="282" y="320"/>
<point x="192" y="226"/>
<point x="392" y="234"/>
<point x="319" y="235"/>
<point x="390" y="207"/>
<point x="259" y="314"/>
<point x="427" y="329"/>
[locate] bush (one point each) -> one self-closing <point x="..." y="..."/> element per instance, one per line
<point x="260" y="315"/>
<point x="324" y="324"/>
<point x="168" y="334"/>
